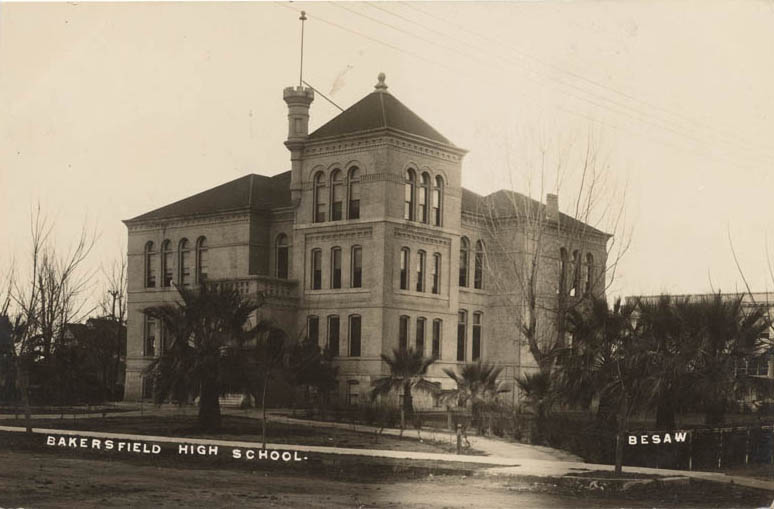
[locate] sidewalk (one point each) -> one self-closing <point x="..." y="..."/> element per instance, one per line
<point x="517" y="460"/>
<point x="508" y="467"/>
<point x="490" y="446"/>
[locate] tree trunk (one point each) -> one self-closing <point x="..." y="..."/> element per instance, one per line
<point x="263" y="411"/>
<point x="209" y="405"/>
<point x="623" y="423"/>
<point x="408" y="403"/>
<point x="23" y="381"/>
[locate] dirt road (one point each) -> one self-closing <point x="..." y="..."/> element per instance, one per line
<point x="43" y="480"/>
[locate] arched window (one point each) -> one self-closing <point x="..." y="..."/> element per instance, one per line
<point x="589" y="272"/>
<point x="167" y="269"/>
<point x="356" y="278"/>
<point x="354" y="193"/>
<point x="421" y="271"/>
<point x="424" y="193"/>
<point x="409" y="189"/>
<point x="337" y="195"/>
<point x="436" y="274"/>
<point x="202" y="260"/>
<point x="464" y="256"/>
<point x="478" y="269"/>
<point x="576" y="273"/>
<point x="437" y="339"/>
<point x="354" y="335"/>
<point x="336" y="267"/>
<point x="403" y="332"/>
<point x="150" y="266"/>
<point x="184" y="262"/>
<point x="316" y="269"/>
<point x="420" y="338"/>
<point x="462" y="334"/>
<point x="476" y="336"/>
<point x="283" y="260"/>
<point x="320" y="203"/>
<point x="404" y="268"/>
<point x="437" y="198"/>
<point x="562" y="271"/>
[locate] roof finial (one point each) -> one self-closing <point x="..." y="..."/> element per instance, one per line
<point x="381" y="86"/>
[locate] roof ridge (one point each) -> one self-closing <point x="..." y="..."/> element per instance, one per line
<point x="384" y="111"/>
<point x="250" y="192"/>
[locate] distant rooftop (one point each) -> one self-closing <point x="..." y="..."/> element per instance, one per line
<point x="252" y="192"/>
<point x="505" y="203"/>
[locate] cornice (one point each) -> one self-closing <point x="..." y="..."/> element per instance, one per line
<point x="383" y="137"/>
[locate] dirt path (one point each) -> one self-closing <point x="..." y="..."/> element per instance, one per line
<point x="46" y="480"/>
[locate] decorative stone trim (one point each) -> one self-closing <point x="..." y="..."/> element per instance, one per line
<point x="420" y="236"/>
<point x="352" y="145"/>
<point x="359" y="233"/>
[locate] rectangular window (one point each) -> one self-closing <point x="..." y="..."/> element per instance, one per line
<point x="336" y="267"/>
<point x="316" y="269"/>
<point x="436" y="339"/>
<point x="436" y="274"/>
<point x="421" y="271"/>
<point x="403" y="332"/>
<point x="354" y="336"/>
<point x="313" y="329"/>
<point x="404" y="261"/>
<point x="357" y="267"/>
<point x="420" y="339"/>
<point x="150" y="336"/>
<point x="476" y="336"/>
<point x="462" y="326"/>
<point x="333" y="335"/>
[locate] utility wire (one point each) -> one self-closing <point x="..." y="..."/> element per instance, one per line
<point x="578" y="76"/>
<point x="456" y="71"/>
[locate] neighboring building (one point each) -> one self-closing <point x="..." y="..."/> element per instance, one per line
<point x="367" y="244"/>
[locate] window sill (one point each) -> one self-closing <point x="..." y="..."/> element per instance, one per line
<point x="427" y="295"/>
<point x="337" y="291"/>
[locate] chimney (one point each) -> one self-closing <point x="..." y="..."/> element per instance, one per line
<point x="298" y="100"/>
<point x="552" y="207"/>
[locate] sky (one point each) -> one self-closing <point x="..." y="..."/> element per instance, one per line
<point x="110" y="110"/>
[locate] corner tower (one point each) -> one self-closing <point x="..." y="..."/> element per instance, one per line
<point x="298" y="100"/>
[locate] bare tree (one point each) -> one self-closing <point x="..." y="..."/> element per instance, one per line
<point x="545" y="263"/>
<point x="114" y="309"/>
<point x="40" y="304"/>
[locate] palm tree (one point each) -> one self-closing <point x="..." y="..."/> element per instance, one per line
<point x="203" y="328"/>
<point x="407" y="371"/>
<point x="477" y="384"/>
<point x="729" y="333"/>
<point x="611" y="359"/>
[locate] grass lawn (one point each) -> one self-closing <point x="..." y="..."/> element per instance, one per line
<point x="239" y="428"/>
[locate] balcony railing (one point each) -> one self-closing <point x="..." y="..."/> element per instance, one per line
<point x="269" y="287"/>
